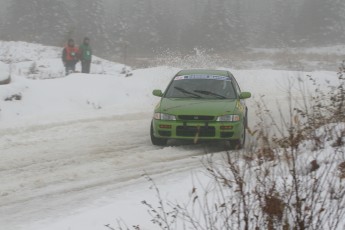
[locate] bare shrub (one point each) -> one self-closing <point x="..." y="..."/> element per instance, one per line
<point x="257" y="195"/>
<point x="33" y="69"/>
<point x="14" y="97"/>
<point x="341" y="168"/>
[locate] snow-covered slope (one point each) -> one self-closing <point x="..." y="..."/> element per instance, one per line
<point x="44" y="62"/>
<point x="78" y="95"/>
<point x="40" y="92"/>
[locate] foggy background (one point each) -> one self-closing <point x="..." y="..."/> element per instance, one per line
<point x="145" y="28"/>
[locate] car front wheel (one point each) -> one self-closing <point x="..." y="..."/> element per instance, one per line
<point x="156" y="140"/>
<point x="239" y="143"/>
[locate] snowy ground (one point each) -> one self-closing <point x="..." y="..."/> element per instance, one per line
<point x="73" y="149"/>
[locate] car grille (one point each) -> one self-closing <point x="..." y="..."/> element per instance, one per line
<point x="164" y="133"/>
<point x="191" y="131"/>
<point x="195" y="118"/>
<point x="226" y="134"/>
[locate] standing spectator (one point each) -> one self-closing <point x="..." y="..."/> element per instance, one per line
<point x="85" y="53"/>
<point x="70" y="56"/>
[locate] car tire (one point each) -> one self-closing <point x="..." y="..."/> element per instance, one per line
<point x="156" y="140"/>
<point x="239" y="144"/>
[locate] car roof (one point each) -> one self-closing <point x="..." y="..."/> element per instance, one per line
<point x="204" y="71"/>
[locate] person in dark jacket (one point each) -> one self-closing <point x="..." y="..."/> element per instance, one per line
<point x="85" y="54"/>
<point x="70" y="56"/>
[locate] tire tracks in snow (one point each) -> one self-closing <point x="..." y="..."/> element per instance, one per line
<point x="53" y="168"/>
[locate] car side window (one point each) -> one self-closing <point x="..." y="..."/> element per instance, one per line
<point x="237" y="87"/>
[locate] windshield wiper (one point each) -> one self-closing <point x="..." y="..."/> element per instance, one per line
<point x="205" y="92"/>
<point x="187" y="92"/>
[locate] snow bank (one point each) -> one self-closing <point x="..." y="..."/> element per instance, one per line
<point x="36" y="61"/>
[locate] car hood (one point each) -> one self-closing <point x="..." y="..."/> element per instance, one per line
<point x="197" y="106"/>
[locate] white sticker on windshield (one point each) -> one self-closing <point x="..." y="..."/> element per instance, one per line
<point x="196" y="76"/>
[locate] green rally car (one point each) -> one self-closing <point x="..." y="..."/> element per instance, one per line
<point x="201" y="105"/>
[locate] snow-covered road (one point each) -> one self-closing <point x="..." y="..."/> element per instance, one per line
<point x="49" y="169"/>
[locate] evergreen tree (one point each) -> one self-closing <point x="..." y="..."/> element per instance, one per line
<point x="43" y="21"/>
<point x="192" y="29"/>
<point x="118" y="29"/>
<point x="167" y="24"/>
<point x="279" y="24"/>
<point x="91" y="22"/>
<point x="321" y="22"/>
<point x="218" y="23"/>
<point x="143" y="34"/>
<point x="239" y="30"/>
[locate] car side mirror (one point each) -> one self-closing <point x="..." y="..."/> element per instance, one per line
<point x="157" y="92"/>
<point x="245" y="95"/>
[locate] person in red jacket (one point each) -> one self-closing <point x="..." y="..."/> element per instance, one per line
<point x="70" y="56"/>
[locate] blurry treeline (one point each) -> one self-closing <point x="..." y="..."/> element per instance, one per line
<point x="145" y="27"/>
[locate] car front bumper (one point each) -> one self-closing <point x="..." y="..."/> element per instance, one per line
<point x="203" y="130"/>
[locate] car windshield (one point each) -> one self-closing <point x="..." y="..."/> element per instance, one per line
<point x="201" y="86"/>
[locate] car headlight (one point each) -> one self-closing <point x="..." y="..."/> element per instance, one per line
<point x="229" y="118"/>
<point x="164" y="116"/>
